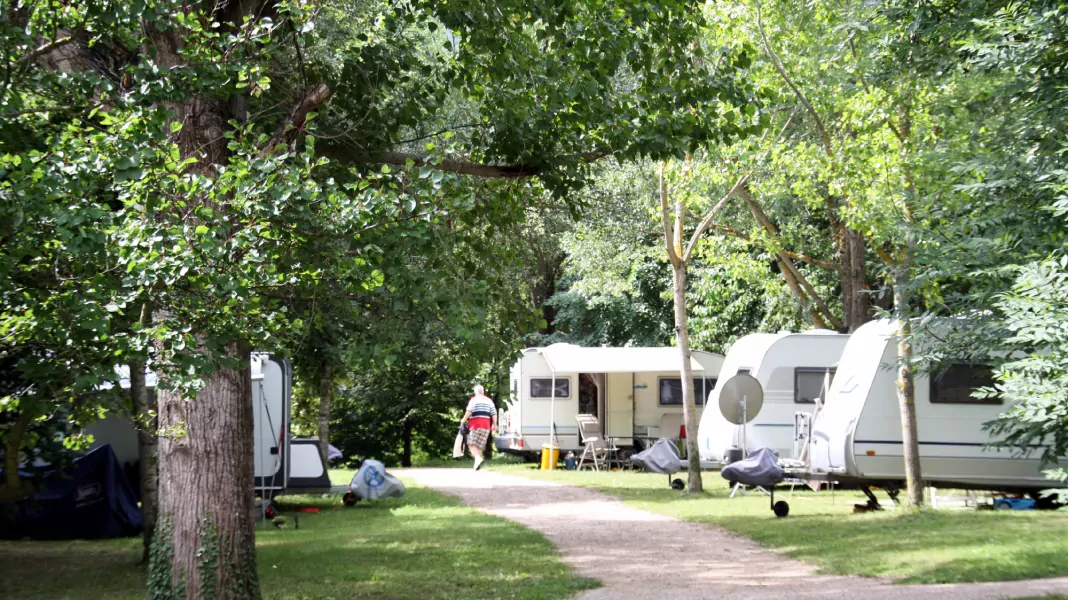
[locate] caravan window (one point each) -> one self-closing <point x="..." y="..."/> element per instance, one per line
<point x="542" y="387"/>
<point x="956" y="385"/>
<point x="808" y="384"/>
<point x="671" y="390"/>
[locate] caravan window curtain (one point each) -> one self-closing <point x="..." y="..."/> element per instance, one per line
<point x="542" y="387"/>
<point x="671" y="390"/>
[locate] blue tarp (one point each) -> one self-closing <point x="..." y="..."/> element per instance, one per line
<point x="93" y="501"/>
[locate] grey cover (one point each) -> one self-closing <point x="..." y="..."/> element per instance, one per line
<point x="372" y="482"/>
<point x="759" y="468"/>
<point x="661" y="457"/>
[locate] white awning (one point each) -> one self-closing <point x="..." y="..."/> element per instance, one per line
<point x="568" y="358"/>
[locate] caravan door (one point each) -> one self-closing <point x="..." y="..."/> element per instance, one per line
<point x="619" y="416"/>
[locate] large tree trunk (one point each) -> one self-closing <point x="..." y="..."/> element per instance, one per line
<point x="406" y="456"/>
<point x="326" y="392"/>
<point x="853" y="277"/>
<point x="205" y="538"/>
<point x="12" y="488"/>
<point x="147" y="455"/>
<point x="689" y="409"/>
<point x="906" y="397"/>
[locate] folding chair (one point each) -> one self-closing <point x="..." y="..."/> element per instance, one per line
<point x="595" y="450"/>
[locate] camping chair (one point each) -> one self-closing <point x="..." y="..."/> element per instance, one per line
<point x="596" y="451"/>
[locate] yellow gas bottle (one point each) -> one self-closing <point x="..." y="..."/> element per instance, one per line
<point x="550" y="455"/>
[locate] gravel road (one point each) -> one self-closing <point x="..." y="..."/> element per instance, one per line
<point x="638" y="555"/>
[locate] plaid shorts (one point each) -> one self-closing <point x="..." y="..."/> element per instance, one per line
<point x="477" y="438"/>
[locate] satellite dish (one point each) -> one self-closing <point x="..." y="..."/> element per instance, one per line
<point x="741" y="398"/>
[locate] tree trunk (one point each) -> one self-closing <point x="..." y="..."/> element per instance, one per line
<point x="689" y="409"/>
<point x="854" y="280"/>
<point x="326" y="392"/>
<point x="12" y="488"/>
<point x="906" y="397"/>
<point x="406" y="456"/>
<point x="205" y="537"/>
<point x="147" y="455"/>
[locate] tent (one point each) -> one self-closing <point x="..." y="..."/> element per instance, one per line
<point x="93" y="501"/>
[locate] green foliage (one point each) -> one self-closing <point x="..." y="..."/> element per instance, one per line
<point x="161" y="581"/>
<point x="1036" y="380"/>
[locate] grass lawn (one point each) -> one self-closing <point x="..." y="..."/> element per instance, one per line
<point x="425" y="545"/>
<point x="926" y="547"/>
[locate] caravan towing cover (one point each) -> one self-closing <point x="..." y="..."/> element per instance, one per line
<point x="662" y="457"/>
<point x="760" y="468"/>
<point x="372" y="482"/>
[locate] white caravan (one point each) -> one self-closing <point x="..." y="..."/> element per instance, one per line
<point x="283" y="464"/>
<point x="856" y="436"/>
<point x="792" y="369"/>
<point x="636" y="393"/>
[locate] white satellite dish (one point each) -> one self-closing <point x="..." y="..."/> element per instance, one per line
<point x="741" y="399"/>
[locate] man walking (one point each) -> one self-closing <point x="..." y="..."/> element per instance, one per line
<point x="481" y="418"/>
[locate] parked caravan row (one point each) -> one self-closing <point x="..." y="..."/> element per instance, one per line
<point x="830" y="411"/>
<point x="283" y="463"/>
<point x="635" y="393"/>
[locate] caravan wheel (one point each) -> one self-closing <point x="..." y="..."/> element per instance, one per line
<point x="781" y="509"/>
<point x="350" y="499"/>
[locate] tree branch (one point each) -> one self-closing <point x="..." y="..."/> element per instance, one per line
<point x="703" y="225"/>
<point x="824" y="137"/>
<point x="742" y="181"/>
<point x="883" y="254"/>
<point x="460" y="167"/>
<point x="313" y="98"/>
<point x="666" y="213"/>
<point x="344" y="154"/>
<point x="763" y="219"/>
<point x="46" y="48"/>
<point x="794" y="286"/>
<point x="815" y="262"/>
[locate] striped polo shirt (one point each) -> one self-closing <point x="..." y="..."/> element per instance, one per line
<point x="482" y="412"/>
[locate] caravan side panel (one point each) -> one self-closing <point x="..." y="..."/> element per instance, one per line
<point x="270" y="414"/>
<point x="537" y="412"/>
<point x="833" y="428"/>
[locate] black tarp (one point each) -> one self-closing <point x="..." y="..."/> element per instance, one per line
<point x="93" y="500"/>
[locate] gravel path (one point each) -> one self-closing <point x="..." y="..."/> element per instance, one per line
<point x="607" y="540"/>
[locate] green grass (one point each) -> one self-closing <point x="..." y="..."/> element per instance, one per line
<point x="425" y="545"/>
<point x="929" y="546"/>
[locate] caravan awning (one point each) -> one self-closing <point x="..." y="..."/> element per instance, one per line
<point x="569" y="358"/>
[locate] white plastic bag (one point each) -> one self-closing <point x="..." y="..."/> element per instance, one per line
<point x="372" y="482"/>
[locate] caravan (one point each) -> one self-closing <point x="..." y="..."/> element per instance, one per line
<point x="283" y="464"/>
<point x="635" y="393"/>
<point x="856" y="436"/>
<point x="793" y="370"/>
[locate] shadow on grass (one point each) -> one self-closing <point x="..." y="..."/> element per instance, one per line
<point x="424" y="545"/>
